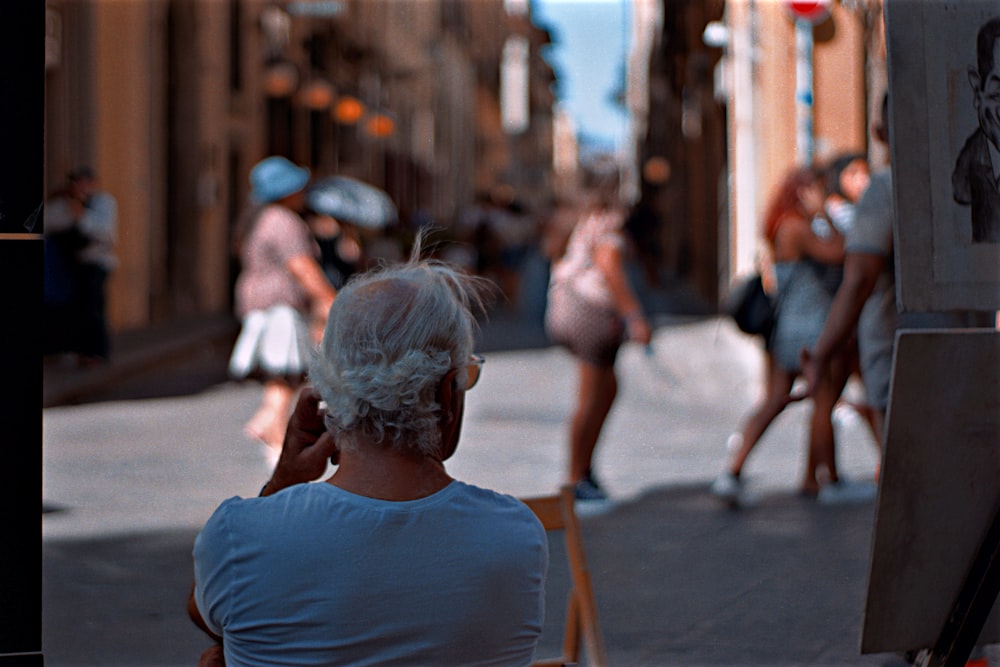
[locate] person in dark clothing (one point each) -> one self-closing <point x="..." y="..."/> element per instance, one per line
<point x="81" y="223"/>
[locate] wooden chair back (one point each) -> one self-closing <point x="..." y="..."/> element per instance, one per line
<point x="557" y="512"/>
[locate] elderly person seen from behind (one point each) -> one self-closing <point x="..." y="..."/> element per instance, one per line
<point x="390" y="561"/>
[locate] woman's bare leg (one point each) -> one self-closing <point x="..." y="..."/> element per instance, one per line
<point x="822" y="457"/>
<point x="596" y="393"/>
<point x="778" y="384"/>
<point x="269" y="422"/>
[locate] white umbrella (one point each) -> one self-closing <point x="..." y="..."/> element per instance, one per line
<point x="353" y="201"/>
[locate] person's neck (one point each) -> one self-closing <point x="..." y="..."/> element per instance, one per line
<point x="387" y="474"/>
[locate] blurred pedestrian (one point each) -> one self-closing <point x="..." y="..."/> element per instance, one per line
<point x="591" y="306"/>
<point x="390" y="560"/>
<point x="550" y="242"/>
<point x="281" y="289"/>
<point x="341" y="251"/>
<point x="847" y="178"/>
<point x="802" y="302"/>
<point x="557" y="228"/>
<point x="644" y="226"/>
<point x="81" y="226"/>
<point x="866" y="300"/>
<point x="518" y="231"/>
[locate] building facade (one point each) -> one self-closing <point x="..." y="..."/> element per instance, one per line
<point x="172" y="101"/>
<point x="718" y="126"/>
<point x="765" y="100"/>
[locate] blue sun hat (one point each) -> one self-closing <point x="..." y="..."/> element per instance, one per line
<point x="274" y="178"/>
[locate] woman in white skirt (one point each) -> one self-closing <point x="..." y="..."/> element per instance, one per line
<point x="280" y="291"/>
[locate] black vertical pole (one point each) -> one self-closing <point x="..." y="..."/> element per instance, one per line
<point x="972" y="607"/>
<point x="22" y="82"/>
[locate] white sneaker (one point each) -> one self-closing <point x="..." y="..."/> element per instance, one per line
<point x="845" y="491"/>
<point x="727" y="486"/>
<point x="845" y="416"/>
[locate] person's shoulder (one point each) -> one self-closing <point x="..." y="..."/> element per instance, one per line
<point x="974" y="154"/>
<point x="236" y="504"/>
<point x="493" y="502"/>
<point x="105" y="204"/>
<point x="280" y="223"/>
<point x="793" y="221"/>
<point x="973" y="141"/>
<point x="791" y="228"/>
<point x="222" y="516"/>
<point x="237" y="520"/>
<point x="276" y="214"/>
<point x="247" y="514"/>
<point x="479" y="493"/>
<point x="103" y="196"/>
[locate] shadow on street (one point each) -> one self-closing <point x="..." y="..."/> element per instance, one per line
<point x="679" y="580"/>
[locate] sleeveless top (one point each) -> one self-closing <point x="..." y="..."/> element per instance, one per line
<point x="577" y="270"/>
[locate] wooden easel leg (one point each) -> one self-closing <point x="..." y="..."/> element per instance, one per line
<point x="971" y="609"/>
<point x="571" y="640"/>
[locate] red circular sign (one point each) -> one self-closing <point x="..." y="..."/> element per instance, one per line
<point x="814" y="11"/>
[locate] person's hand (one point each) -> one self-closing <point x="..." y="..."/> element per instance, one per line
<point x="812" y="372"/>
<point x="638" y="329"/>
<point x="307" y="446"/>
<point x="213" y="656"/>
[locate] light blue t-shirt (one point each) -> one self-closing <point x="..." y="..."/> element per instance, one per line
<point x="315" y="575"/>
<point x="872" y="234"/>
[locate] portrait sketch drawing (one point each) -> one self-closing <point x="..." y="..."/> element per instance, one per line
<point x="944" y="92"/>
<point x="976" y="178"/>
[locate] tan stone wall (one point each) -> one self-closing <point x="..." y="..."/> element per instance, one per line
<point x="124" y="147"/>
<point x="775" y="103"/>
<point x="212" y="172"/>
<point x="176" y="152"/>
<point x="839" y="117"/>
<point x="839" y="81"/>
<point x="109" y="106"/>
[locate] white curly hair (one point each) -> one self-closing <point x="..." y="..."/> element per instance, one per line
<point x="391" y="335"/>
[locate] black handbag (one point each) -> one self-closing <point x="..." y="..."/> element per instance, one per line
<point x="751" y="307"/>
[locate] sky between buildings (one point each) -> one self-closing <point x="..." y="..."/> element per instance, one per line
<point x="588" y="53"/>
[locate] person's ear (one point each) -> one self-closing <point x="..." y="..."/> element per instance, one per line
<point x="450" y="400"/>
<point x="975" y="82"/>
<point x="880" y="132"/>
